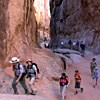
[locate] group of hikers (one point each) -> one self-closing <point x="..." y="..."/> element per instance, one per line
<point x="31" y="72"/>
<point x="64" y="82"/>
<point x="94" y="71"/>
<point x="77" y="45"/>
<point x="64" y="79"/>
<point x="21" y="72"/>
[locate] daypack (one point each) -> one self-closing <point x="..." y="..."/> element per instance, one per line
<point x="63" y="81"/>
<point x="17" y="70"/>
<point x="24" y="67"/>
<point x="36" y="67"/>
<point x="93" y="65"/>
<point x="31" y="72"/>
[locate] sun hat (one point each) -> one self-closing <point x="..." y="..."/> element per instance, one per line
<point x="29" y="60"/>
<point x="14" y="60"/>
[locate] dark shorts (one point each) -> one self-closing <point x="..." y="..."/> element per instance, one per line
<point x="77" y="84"/>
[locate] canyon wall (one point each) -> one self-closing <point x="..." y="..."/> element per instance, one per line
<point x="76" y="19"/>
<point x="3" y="27"/>
<point x="42" y="13"/>
<point x="18" y="28"/>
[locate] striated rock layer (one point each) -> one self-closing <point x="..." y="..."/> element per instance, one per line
<point x="42" y="13"/>
<point x="77" y="19"/>
<point x="17" y="28"/>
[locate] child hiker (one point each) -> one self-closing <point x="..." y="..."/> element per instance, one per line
<point x="77" y="82"/>
<point x="64" y="82"/>
<point x="93" y="65"/>
<point x="95" y="76"/>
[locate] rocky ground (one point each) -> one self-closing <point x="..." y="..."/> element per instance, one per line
<point x="47" y="85"/>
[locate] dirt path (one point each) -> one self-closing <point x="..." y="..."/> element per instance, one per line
<point x="90" y="93"/>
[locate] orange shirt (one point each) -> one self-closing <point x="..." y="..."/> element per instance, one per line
<point x="77" y="77"/>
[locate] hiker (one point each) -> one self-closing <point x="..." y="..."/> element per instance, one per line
<point x="82" y="47"/>
<point x="19" y="72"/>
<point x="93" y="65"/>
<point x="77" y="82"/>
<point x="37" y="70"/>
<point x="62" y="44"/>
<point x="64" y="82"/>
<point x="70" y="44"/>
<point x="77" y="45"/>
<point x="74" y="45"/>
<point x="95" y="76"/>
<point x="31" y="75"/>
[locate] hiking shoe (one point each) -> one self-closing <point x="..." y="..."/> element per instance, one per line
<point x="16" y="93"/>
<point x="81" y="90"/>
<point x="76" y="93"/>
<point x="33" y="93"/>
<point x="94" y="86"/>
<point x="27" y="93"/>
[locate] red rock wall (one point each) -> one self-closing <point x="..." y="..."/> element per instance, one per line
<point x="3" y="27"/>
<point x="17" y="28"/>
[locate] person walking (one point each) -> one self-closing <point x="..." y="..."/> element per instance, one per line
<point x="31" y="75"/>
<point x="82" y="46"/>
<point x="93" y="65"/>
<point x="77" y="45"/>
<point x="19" y="72"/>
<point x="70" y="43"/>
<point x="64" y="82"/>
<point x="95" y="76"/>
<point x="77" y="77"/>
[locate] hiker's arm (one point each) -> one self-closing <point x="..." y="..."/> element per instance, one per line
<point x="18" y="78"/>
<point x="68" y="82"/>
<point x="34" y="67"/>
<point x="21" y="72"/>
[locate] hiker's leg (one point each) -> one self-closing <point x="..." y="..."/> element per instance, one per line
<point x="76" y="87"/>
<point x="91" y="72"/>
<point x="83" y="53"/>
<point x="23" y="84"/>
<point x="14" y="85"/>
<point x="96" y="81"/>
<point x="31" y="84"/>
<point x="61" y="87"/>
<point x="63" y="92"/>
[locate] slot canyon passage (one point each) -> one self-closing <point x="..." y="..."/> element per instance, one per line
<point x="27" y="25"/>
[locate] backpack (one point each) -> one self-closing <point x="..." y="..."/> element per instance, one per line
<point x="30" y="71"/>
<point x="63" y="81"/>
<point x="17" y="70"/>
<point x="24" y="67"/>
<point x="93" y="65"/>
<point x="36" y="67"/>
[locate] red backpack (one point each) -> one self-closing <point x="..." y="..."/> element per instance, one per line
<point x="63" y="81"/>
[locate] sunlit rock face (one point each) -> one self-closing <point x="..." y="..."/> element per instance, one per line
<point x="42" y="13"/>
<point x="17" y="28"/>
<point x="76" y="19"/>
